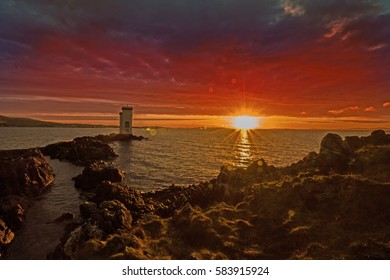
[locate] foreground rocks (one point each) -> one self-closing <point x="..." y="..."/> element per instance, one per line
<point x="24" y="175"/>
<point x="330" y="205"/>
<point x="80" y="151"/>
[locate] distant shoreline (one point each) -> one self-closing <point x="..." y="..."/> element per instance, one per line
<point x="27" y="122"/>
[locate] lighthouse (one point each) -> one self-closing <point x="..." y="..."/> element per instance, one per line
<point x="126" y="120"/>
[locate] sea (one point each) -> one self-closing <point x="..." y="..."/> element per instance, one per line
<point x="170" y="156"/>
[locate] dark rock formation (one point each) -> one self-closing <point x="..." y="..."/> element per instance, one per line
<point x="24" y="172"/>
<point x="96" y="173"/>
<point x="64" y="217"/>
<point x="80" y="151"/>
<point x="109" y="217"/>
<point x="119" y="137"/>
<point x="258" y="171"/>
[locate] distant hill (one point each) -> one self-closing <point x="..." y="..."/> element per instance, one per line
<point x="26" y="122"/>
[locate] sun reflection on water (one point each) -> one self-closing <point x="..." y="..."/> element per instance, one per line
<point x="243" y="149"/>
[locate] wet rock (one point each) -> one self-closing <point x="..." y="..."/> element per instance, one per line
<point x="12" y="208"/>
<point x="24" y="172"/>
<point x="96" y="173"/>
<point x="80" y="151"/>
<point x="64" y="217"/>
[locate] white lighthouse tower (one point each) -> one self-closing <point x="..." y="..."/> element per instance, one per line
<point x="126" y="120"/>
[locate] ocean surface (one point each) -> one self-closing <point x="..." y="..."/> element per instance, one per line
<point x="170" y="156"/>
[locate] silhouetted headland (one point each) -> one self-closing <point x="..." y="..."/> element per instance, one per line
<point x="27" y="122"/>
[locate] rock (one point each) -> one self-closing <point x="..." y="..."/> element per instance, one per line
<point x="119" y="137"/>
<point x="6" y="235"/>
<point x="101" y="221"/>
<point x="113" y="216"/>
<point x="96" y="173"/>
<point x="64" y="217"/>
<point x="258" y="171"/>
<point x="12" y="208"/>
<point x="379" y="137"/>
<point x="88" y="209"/>
<point x="332" y="144"/>
<point x="77" y="239"/>
<point x="24" y="172"/>
<point x="130" y="197"/>
<point x="80" y="151"/>
<point x="333" y="156"/>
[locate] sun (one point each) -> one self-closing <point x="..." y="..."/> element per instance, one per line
<point x="245" y="122"/>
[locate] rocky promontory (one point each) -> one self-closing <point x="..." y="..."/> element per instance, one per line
<point x="113" y="137"/>
<point x="330" y="205"/>
<point x="88" y="149"/>
<point x="24" y="176"/>
<point x="80" y="151"/>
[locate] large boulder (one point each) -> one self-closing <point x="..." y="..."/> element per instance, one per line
<point x="80" y="151"/>
<point x="24" y="172"/>
<point x="332" y="144"/>
<point x="333" y="156"/>
<point x="96" y="173"/>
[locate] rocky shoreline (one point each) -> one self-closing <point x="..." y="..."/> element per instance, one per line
<point x="330" y="205"/>
<point x="25" y="175"/>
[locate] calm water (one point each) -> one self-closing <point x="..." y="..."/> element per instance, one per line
<point x="179" y="156"/>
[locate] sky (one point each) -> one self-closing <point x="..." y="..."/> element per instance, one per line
<point x="299" y="64"/>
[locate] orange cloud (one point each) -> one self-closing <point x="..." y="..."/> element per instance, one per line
<point x="370" y="109"/>
<point x="386" y="104"/>
<point x="340" y="111"/>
